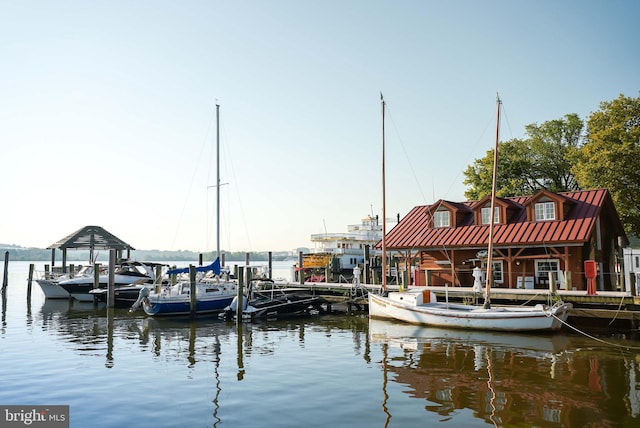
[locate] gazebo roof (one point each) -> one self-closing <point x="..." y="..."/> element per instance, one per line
<point x="91" y="237"/>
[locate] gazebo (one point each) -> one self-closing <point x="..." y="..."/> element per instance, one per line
<point x="91" y="238"/>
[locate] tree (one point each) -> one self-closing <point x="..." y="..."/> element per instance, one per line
<point x="542" y="161"/>
<point x="513" y="165"/>
<point x="551" y="145"/>
<point x="610" y="157"/>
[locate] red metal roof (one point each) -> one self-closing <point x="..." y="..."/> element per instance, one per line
<point x="414" y="232"/>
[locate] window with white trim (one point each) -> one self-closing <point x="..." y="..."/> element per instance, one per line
<point x="441" y="219"/>
<point x="485" y="215"/>
<point x="496" y="271"/>
<point x="543" y="267"/>
<point x="545" y="211"/>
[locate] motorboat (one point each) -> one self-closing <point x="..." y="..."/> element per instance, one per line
<point x="49" y="281"/>
<point x="271" y="300"/>
<point x="79" y="287"/>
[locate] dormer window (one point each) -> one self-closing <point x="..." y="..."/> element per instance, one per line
<point x="486" y="219"/>
<point x="441" y="219"/>
<point x="545" y="211"/>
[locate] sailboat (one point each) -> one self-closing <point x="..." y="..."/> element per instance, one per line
<point x="212" y="294"/>
<point x="420" y="306"/>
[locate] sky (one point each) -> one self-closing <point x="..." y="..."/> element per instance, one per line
<point x="108" y="108"/>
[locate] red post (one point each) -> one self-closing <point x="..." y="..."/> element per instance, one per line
<point x="590" y="272"/>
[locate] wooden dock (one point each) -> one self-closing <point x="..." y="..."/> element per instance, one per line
<point x="603" y="307"/>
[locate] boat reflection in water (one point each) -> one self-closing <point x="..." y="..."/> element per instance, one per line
<point x="504" y="378"/>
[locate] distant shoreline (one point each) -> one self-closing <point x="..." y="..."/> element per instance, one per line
<point x="17" y="253"/>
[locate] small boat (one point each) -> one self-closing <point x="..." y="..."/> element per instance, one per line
<point x="79" y="287"/>
<point x="415" y="307"/>
<point x="274" y="302"/>
<point x="420" y="306"/>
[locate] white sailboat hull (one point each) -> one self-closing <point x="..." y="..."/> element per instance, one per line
<point x="420" y="307"/>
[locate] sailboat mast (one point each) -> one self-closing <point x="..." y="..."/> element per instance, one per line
<point x="218" y="180"/>
<point x="494" y="185"/>
<point x="384" y="208"/>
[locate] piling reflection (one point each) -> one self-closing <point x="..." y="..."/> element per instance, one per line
<point x="3" y="297"/>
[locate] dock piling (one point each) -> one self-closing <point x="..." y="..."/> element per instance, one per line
<point x="239" y="294"/>
<point x="552" y="282"/>
<point x="300" y="268"/>
<point x="29" y="281"/>
<point x="193" y="298"/>
<point x="96" y="275"/>
<point x="5" y="278"/>
<point x="111" y="295"/>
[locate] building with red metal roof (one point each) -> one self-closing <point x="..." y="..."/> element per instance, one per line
<point x="533" y="236"/>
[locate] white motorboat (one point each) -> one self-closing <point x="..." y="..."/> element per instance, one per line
<point x="51" y="289"/>
<point x="79" y="287"/>
<point x="49" y="281"/>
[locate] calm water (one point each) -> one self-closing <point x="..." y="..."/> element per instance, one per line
<point x="115" y="369"/>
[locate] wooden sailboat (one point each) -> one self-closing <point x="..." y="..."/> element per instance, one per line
<point x="420" y="306"/>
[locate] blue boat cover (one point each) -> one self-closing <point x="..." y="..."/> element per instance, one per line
<point x="215" y="267"/>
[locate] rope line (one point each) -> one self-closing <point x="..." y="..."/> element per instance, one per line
<point x="618" y="311"/>
<point x="593" y="337"/>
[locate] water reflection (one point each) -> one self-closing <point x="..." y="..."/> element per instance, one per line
<point x="92" y="330"/>
<point x="3" y="297"/>
<point x="497" y="378"/>
<point x="508" y="379"/>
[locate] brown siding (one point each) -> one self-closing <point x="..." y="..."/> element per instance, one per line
<point x="569" y="237"/>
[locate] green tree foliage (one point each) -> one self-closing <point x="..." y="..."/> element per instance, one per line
<point x="551" y="145"/>
<point x="610" y="157"/>
<point x="541" y="161"/>
<point x="514" y="163"/>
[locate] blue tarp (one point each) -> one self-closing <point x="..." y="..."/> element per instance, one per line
<point x="215" y="267"/>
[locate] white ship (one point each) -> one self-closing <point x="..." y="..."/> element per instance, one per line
<point x="342" y="252"/>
